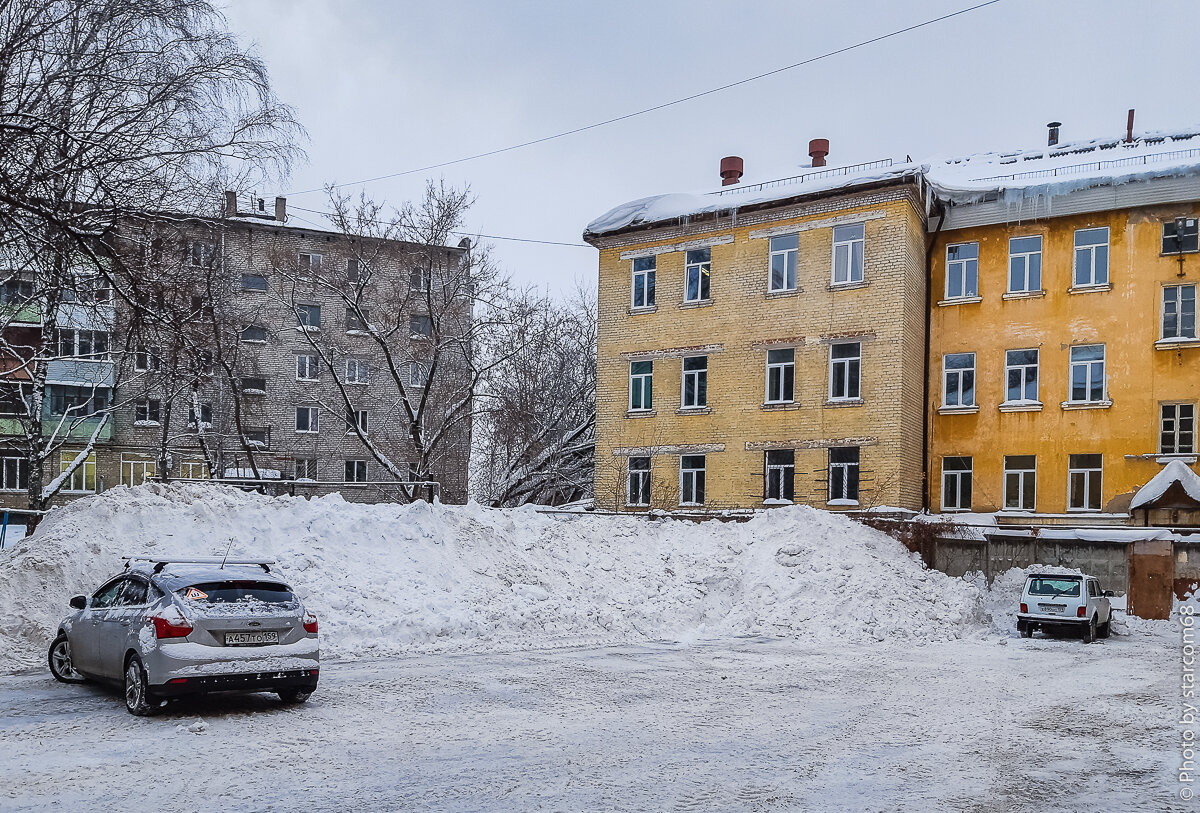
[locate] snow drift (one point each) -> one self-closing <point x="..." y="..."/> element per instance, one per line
<point x="390" y="579"/>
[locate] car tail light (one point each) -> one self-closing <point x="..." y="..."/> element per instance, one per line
<point x="310" y="621"/>
<point x="1081" y="612"/>
<point x="170" y="623"/>
<point x="1024" y="607"/>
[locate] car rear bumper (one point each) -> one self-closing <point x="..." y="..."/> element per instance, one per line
<point x="1052" y="620"/>
<point x="303" y="679"/>
<point x="189" y="659"/>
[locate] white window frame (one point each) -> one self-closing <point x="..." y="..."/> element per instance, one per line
<point x="1088" y="363"/>
<point x="145" y="360"/>
<point x="310" y="268"/>
<point x="1025" y="257"/>
<point x="242" y="334"/>
<point x="309" y="463"/>
<point x="1072" y="471"/>
<point x="643" y="478"/>
<point x="1180" y="315"/>
<point x="703" y="272"/>
<point x="960" y="267"/>
<point x="307" y="363"/>
<point x="193" y="419"/>
<point x="307" y="309"/>
<point x="851" y="364"/>
<point x="840" y="472"/>
<point x="201" y="253"/>
<point x="958" y="475"/>
<point x="133" y="464"/>
<point x="361" y="369"/>
<point x="695" y="475"/>
<point x="77" y="483"/>
<point x="360" y="419"/>
<point x="1090" y="250"/>
<point x="21" y="465"/>
<point x="1022" y="474"/>
<point x="791" y="262"/>
<point x="854" y="274"/>
<point x="1175" y="430"/>
<point x="782" y="368"/>
<point x="148" y="411"/>
<point x="1190" y="228"/>
<point x="193" y="470"/>
<point x="1023" y="369"/>
<point x="639" y="380"/>
<point x="314" y="420"/>
<point x="697" y="376"/>
<point x="356" y="464"/>
<point x="778" y="473"/>
<point x="647" y="276"/>
<point x="959" y="373"/>
<point x="418" y="375"/>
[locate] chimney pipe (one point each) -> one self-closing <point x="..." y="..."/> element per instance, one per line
<point x="731" y="170"/>
<point x="281" y="209"/>
<point x="1052" y="136"/>
<point x="818" y="148"/>
<point x="1129" y="127"/>
<point x="230" y="204"/>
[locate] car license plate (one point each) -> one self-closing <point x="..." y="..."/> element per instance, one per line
<point x="244" y="638"/>
<point x="1054" y="609"/>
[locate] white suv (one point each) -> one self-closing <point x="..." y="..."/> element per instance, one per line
<point x="1065" y="601"/>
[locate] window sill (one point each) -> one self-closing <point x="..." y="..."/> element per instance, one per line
<point x="1090" y="289"/>
<point x="144" y="424"/>
<point x="1021" y="406"/>
<point x="356" y="383"/>
<point x="704" y="410"/>
<point x="419" y="337"/>
<point x="1176" y="343"/>
<point x="838" y="403"/>
<point x="695" y="303"/>
<point x="777" y="501"/>
<point x="1024" y="295"/>
<point x="253" y="341"/>
<point x="308" y="328"/>
<point x="353" y="331"/>
<point x="843" y="503"/>
<point x="846" y="286"/>
<point x="309" y="380"/>
<point x="962" y="300"/>
<point x="958" y="410"/>
<point x="640" y="413"/>
<point x="642" y="309"/>
<point x="306" y="432"/>
<point x="1086" y="404"/>
<point x="781" y="405"/>
<point x="637" y="505"/>
<point x="782" y="294"/>
<point x="1164" y="459"/>
<point x="254" y="392"/>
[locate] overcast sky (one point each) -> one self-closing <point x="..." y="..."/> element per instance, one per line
<point x="384" y="87"/>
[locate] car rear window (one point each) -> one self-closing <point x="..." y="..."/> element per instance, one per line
<point x="1054" y="587"/>
<point x="233" y="591"/>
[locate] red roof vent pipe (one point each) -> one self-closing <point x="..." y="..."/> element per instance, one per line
<point x="818" y="148"/>
<point x="1129" y="127"/>
<point x="731" y="170"/>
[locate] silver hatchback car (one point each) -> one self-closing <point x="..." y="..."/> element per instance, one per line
<point x="167" y="628"/>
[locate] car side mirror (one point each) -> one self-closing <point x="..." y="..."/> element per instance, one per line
<point x="78" y="602"/>
<point x="1109" y="594"/>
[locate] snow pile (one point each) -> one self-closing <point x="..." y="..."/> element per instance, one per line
<point x="389" y="579"/>
<point x="1176" y="471"/>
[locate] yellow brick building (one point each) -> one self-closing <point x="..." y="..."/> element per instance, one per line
<point x="1065" y="368"/>
<point x="764" y="344"/>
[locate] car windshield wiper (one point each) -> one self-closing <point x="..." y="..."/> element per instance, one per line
<point x="1060" y="593"/>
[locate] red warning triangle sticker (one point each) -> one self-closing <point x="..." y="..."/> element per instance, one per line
<point x="193" y="593"/>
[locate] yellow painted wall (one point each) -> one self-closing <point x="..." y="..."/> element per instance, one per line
<point x="1125" y="319"/>
<point x="741" y="317"/>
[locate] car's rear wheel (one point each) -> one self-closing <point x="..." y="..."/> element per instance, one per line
<point x="138" y="698"/>
<point x="61" y="665"/>
<point x="1026" y="630"/>
<point x="1089" y="632"/>
<point x="294" y="695"/>
<point x="1104" y="629"/>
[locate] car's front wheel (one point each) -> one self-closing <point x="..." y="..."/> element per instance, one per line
<point x="61" y="665"/>
<point x="138" y="698"/>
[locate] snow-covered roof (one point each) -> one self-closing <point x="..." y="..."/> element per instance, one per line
<point x="1048" y="171"/>
<point x="659" y="208"/>
<point x="1175" y="471"/>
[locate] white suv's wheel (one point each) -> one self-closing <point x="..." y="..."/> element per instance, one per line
<point x="1089" y="632"/>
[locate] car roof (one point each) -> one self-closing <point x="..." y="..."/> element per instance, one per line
<point x="1059" y="576"/>
<point x="172" y="575"/>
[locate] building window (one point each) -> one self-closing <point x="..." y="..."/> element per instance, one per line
<point x="1175" y="241"/>
<point x="14" y="474"/>
<point x="145" y="360"/>
<point x="695" y="382"/>
<point x="641" y="385"/>
<point x="254" y="385"/>
<point x="310" y="264"/>
<point x="1087" y="373"/>
<point x="1179" y="312"/>
<point x="962" y="270"/>
<point x="418" y="374"/>
<point x="698" y="273"/>
<point x="306" y="468"/>
<point x="148" y="411"/>
<point x="638" y="487"/>
<point x="137" y="469"/>
<point x="1091" y="257"/>
<point x="418" y="279"/>
<point x="205" y="416"/>
<point x="956" y="483"/>
<point x="843" y="475"/>
<point x="353" y="270"/>
<point x="356" y="418"/>
<point x="356" y="471"/>
<point x="307" y="420"/>
<point x="254" y="333"/>
<point x="87" y="289"/>
<point x="1020" y="482"/>
<point x="1085" y="474"/>
<point x="78" y="402"/>
<point x="959" y="375"/>
<point x="848" y="244"/>
<point x="844" y="366"/>
<point x="193" y="470"/>
<point x="258" y="438"/>
<point x="420" y="326"/>
<point x="357" y="371"/>
<point x="254" y="282"/>
<point x="780" y="475"/>
<point x="1178" y="430"/>
<point x="1024" y="264"/>
<point x="1021" y="373"/>
<point x="691" y="479"/>
<point x="643" y="282"/>
<point x="309" y="316"/>
<point x="85" y="344"/>
<point x="201" y="253"/>
<point x="84" y="477"/>
<point x="783" y="262"/>
<point x="356" y="319"/>
<point x="306" y="367"/>
<point x="781" y="376"/>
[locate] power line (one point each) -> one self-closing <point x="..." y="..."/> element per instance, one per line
<point x="664" y="105"/>
<point x="459" y="233"/>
